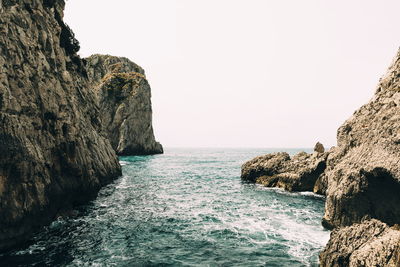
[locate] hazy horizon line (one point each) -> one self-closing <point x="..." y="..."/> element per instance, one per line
<point x="237" y="147"/>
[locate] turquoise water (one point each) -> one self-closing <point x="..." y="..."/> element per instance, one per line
<point x="187" y="207"/>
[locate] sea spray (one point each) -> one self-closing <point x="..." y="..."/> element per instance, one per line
<point x="187" y="207"/>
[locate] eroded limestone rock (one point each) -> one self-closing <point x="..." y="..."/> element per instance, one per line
<point x="124" y="97"/>
<point x="370" y="243"/>
<point x="299" y="173"/>
<point x="51" y="153"/>
<point x="319" y="148"/>
<point x="363" y="171"/>
<point x="361" y="180"/>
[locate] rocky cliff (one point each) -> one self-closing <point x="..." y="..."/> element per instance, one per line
<point x="361" y="179"/>
<point x="364" y="169"/>
<point x="51" y="153"/>
<point x="124" y="97"/>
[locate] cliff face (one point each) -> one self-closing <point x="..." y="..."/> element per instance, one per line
<point x="124" y="97"/>
<point x="361" y="179"/>
<point x="51" y="153"/>
<point x="363" y="172"/>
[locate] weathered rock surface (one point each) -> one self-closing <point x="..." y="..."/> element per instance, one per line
<point x="319" y="148"/>
<point x="124" y="96"/>
<point x="363" y="171"/>
<point x="361" y="180"/>
<point x="299" y="173"/>
<point x="371" y="243"/>
<point x="51" y="153"/>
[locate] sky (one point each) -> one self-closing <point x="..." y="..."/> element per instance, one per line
<point x="246" y="73"/>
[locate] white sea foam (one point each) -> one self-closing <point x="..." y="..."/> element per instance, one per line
<point x="189" y="207"/>
<point x="123" y="163"/>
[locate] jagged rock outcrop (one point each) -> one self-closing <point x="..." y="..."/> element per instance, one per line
<point x="51" y="153"/>
<point x="319" y="148"/>
<point x="370" y="243"/>
<point x="361" y="181"/>
<point x="299" y="173"/>
<point x="124" y="96"/>
<point x="363" y="171"/>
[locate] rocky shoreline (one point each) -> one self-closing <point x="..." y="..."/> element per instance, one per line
<point x="360" y="178"/>
<point x="299" y="173"/>
<point x="56" y="151"/>
<point x="64" y="120"/>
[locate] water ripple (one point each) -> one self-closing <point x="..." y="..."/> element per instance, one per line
<point x="187" y="207"/>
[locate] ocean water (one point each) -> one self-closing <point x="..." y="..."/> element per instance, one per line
<point x="187" y="207"/>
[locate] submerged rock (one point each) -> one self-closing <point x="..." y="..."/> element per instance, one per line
<point x="299" y="173"/>
<point x="363" y="171"/>
<point x="51" y="153"/>
<point x="124" y="97"/>
<point x="370" y="243"/>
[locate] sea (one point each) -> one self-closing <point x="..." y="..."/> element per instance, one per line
<point x="186" y="207"/>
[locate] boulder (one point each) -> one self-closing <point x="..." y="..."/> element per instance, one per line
<point x="367" y="244"/>
<point x="319" y="148"/>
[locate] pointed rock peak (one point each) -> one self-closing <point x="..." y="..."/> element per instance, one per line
<point x="319" y="148"/>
